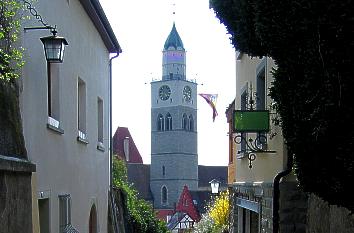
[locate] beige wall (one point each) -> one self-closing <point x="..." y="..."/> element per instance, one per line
<point x="64" y="165"/>
<point x="266" y="165"/>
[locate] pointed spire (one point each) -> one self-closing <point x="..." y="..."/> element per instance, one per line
<point x="174" y="40"/>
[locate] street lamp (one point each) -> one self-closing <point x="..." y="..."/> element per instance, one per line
<point x="214" y="184"/>
<point x="53" y="45"/>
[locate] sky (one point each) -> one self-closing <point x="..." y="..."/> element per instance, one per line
<point x="141" y="28"/>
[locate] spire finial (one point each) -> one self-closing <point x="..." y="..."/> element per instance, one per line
<point x="173" y="11"/>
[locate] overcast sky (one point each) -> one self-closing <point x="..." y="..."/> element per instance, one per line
<point x="141" y="28"/>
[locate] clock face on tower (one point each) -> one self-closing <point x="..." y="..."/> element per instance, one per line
<point x="164" y="92"/>
<point x="187" y="93"/>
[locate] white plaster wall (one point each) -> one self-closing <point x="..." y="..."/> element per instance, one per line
<point x="64" y="165"/>
<point x="266" y="165"/>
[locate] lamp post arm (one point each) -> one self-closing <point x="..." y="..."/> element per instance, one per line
<point x="35" y="13"/>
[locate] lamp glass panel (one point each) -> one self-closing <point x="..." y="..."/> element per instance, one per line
<point x="214" y="187"/>
<point x="54" y="50"/>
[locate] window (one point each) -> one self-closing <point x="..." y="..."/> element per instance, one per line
<point x="168" y="122"/>
<point x="53" y="95"/>
<point x="163" y="170"/>
<point x="81" y="108"/>
<point x="164" y="195"/>
<point x="160" y="123"/>
<point x="43" y="209"/>
<point x="64" y="212"/>
<point x="191" y="123"/>
<point x="184" y="122"/>
<point x="100" y="120"/>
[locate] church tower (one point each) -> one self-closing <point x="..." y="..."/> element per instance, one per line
<point x="174" y="156"/>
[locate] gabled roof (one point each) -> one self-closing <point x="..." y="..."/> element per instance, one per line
<point x="94" y="10"/>
<point x="180" y="220"/>
<point x="173" y="40"/>
<point x="186" y="205"/>
<point x="118" y="146"/>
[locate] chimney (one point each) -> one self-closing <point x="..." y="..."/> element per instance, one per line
<point x="126" y="148"/>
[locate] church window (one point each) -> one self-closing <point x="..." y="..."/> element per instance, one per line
<point x="163" y="170"/>
<point x="191" y="123"/>
<point x="160" y="123"/>
<point x="164" y="195"/>
<point x="168" y="122"/>
<point x="184" y="122"/>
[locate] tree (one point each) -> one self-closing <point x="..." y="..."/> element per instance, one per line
<point x="216" y="219"/>
<point x="11" y="135"/>
<point x="142" y="217"/>
<point x="312" y="44"/>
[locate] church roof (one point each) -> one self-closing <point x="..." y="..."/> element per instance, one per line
<point x="173" y="39"/>
<point x="118" y="146"/>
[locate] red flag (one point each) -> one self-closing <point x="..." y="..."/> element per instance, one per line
<point x="211" y="100"/>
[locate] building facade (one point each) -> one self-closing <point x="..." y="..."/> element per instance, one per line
<point x="65" y="111"/>
<point x="265" y="187"/>
<point x="174" y="156"/>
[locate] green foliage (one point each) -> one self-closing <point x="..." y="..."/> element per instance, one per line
<point x="141" y="214"/>
<point x="10" y="56"/>
<point x="311" y="42"/>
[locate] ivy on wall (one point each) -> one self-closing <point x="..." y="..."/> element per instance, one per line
<point x="11" y="136"/>
<point x="10" y="55"/>
<point x="312" y="44"/>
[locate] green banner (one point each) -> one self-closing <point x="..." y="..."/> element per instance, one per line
<point x="251" y="121"/>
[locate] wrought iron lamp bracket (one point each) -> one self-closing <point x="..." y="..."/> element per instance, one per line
<point x="36" y="15"/>
<point x="254" y="145"/>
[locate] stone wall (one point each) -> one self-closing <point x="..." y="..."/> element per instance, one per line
<point x="325" y="218"/>
<point x="15" y="195"/>
<point x="292" y="208"/>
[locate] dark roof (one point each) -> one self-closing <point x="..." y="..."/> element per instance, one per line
<point x="94" y="10"/>
<point x="201" y="199"/>
<point x="173" y="39"/>
<point x="118" y="146"/>
<point x="207" y="173"/>
<point x="139" y="176"/>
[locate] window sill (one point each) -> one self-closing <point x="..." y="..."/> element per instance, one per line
<point x="100" y="146"/>
<point x="54" y="125"/>
<point x="55" y="129"/>
<point x="82" y="140"/>
<point x="82" y="137"/>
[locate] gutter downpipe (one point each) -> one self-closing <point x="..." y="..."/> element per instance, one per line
<point x="114" y="217"/>
<point x="276" y="192"/>
<point x="110" y="123"/>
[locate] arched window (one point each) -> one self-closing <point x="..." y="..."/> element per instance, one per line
<point x="184" y="122"/>
<point x="164" y="195"/>
<point x="191" y="123"/>
<point x="160" y="123"/>
<point x="168" y="122"/>
<point x="93" y="220"/>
